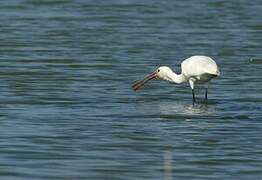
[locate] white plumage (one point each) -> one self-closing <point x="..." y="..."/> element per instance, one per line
<point x="195" y="70"/>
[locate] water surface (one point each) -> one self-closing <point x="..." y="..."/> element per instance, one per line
<point x="67" y="110"/>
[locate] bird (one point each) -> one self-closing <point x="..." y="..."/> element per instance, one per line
<point x="197" y="69"/>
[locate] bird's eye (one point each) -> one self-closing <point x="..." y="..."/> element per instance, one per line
<point x="158" y="70"/>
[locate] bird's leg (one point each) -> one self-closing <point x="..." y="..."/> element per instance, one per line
<point x="206" y="96"/>
<point x="191" y="83"/>
<point x="206" y="88"/>
<point x="194" y="99"/>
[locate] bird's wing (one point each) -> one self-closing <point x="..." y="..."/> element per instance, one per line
<point x="210" y="67"/>
<point x="198" y="65"/>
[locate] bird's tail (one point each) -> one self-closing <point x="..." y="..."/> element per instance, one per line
<point x="215" y="73"/>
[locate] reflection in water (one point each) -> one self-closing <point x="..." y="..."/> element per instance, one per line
<point x="183" y="108"/>
<point x="168" y="161"/>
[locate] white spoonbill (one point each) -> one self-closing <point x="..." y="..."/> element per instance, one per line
<point x="195" y="70"/>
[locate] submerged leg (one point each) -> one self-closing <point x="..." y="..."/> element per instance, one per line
<point x="206" y="88"/>
<point x="193" y="93"/>
<point x="206" y="96"/>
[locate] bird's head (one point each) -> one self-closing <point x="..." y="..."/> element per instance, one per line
<point x="163" y="72"/>
<point x="160" y="73"/>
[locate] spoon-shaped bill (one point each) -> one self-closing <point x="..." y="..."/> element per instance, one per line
<point x="139" y="84"/>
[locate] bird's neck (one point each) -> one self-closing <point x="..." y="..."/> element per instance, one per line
<point x="175" y="78"/>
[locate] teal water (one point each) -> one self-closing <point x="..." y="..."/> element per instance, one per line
<point x="67" y="110"/>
